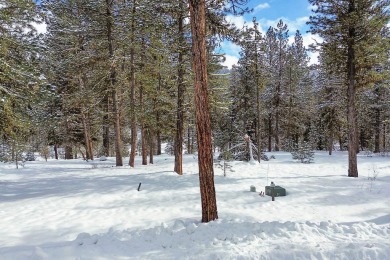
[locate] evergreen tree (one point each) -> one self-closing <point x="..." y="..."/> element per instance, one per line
<point x="352" y="36"/>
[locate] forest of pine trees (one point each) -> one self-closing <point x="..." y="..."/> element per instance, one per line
<point x="116" y="78"/>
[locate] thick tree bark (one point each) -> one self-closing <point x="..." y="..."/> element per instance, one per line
<point x="113" y="88"/>
<point x="203" y="122"/>
<point x="180" y="100"/>
<point x="132" y="93"/>
<point x="351" y="92"/>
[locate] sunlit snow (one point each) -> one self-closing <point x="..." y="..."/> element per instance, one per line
<point x="92" y="210"/>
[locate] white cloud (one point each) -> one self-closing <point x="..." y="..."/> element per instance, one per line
<point x="262" y="6"/>
<point x="230" y="60"/>
<point x="310" y="39"/>
<point x="313" y="57"/>
<point x="312" y="8"/>
<point x="238" y="21"/>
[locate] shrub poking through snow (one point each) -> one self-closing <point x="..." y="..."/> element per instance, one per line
<point x="303" y="152"/>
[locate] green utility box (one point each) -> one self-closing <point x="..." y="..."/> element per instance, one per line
<point x="279" y="191"/>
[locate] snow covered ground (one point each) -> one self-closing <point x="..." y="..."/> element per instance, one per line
<point x="90" y="210"/>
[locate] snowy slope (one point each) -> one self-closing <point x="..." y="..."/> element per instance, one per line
<point x="91" y="210"/>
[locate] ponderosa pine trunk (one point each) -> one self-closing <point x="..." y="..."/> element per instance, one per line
<point x="351" y="92"/>
<point x="203" y="122"/>
<point x="113" y="88"/>
<point x="132" y="93"/>
<point x="180" y="99"/>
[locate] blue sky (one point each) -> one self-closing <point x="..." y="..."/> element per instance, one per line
<point x="295" y="13"/>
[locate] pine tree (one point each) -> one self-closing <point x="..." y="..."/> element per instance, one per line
<point x="351" y="32"/>
<point x="20" y="77"/>
<point x="203" y="123"/>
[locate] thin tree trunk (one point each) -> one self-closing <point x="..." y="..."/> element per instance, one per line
<point x="87" y="135"/>
<point x="377" y="130"/>
<point x="258" y="128"/>
<point x="87" y="139"/>
<point x="132" y="92"/>
<point x="269" y="132"/>
<point x="180" y="99"/>
<point x="56" y="151"/>
<point x="189" y="145"/>
<point x="115" y="101"/>
<point x="330" y="143"/>
<point x="351" y="92"/>
<point x="106" y="128"/>
<point x="144" y="151"/>
<point x="158" y="132"/>
<point x="151" y="145"/>
<point x="68" y="147"/>
<point x="384" y="137"/>
<point x="158" y="136"/>
<point x="203" y="122"/>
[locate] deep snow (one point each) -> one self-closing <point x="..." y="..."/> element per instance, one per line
<point x="91" y="210"/>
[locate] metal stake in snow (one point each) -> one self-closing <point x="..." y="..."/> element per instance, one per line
<point x="139" y="186"/>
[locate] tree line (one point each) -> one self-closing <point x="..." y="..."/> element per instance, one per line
<point x="115" y="78"/>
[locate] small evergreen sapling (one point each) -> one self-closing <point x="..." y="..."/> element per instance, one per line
<point x="303" y="152"/>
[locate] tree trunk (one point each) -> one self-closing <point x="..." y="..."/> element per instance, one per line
<point x="377" y="130"/>
<point x="331" y="131"/>
<point x="113" y="87"/>
<point x="151" y="145"/>
<point x="258" y="119"/>
<point x="144" y="151"/>
<point x="203" y="122"/>
<point x="132" y="92"/>
<point x="106" y="128"/>
<point x="158" y="132"/>
<point x="189" y="141"/>
<point x="87" y="135"/>
<point x="269" y="132"/>
<point x="56" y="151"/>
<point x="180" y="99"/>
<point x="330" y="143"/>
<point x="158" y="136"/>
<point x="68" y="152"/>
<point x="87" y="139"/>
<point x="351" y="92"/>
